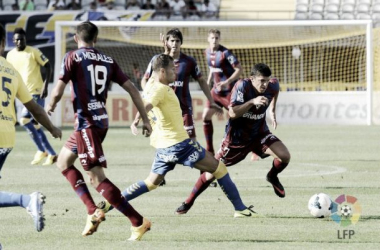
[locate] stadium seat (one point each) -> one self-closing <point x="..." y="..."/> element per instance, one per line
<point x="302" y="2"/>
<point x="363" y="8"/>
<point x="376" y="17"/>
<point x="347" y="16"/>
<point x="332" y="16"/>
<point x="336" y="2"/>
<point x="347" y="8"/>
<point x="363" y="16"/>
<point x="316" y="8"/>
<point x="321" y="2"/>
<point x="353" y="2"/>
<point x="301" y="16"/>
<point x="332" y="8"/>
<point x="302" y="8"/>
<point x="316" y="16"/>
<point x="368" y="2"/>
<point x="376" y="8"/>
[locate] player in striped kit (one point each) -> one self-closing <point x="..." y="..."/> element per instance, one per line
<point x="90" y="73"/>
<point x="247" y="131"/>
<point x="225" y="70"/>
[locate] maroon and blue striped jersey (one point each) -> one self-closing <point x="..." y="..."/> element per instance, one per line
<point x="242" y="130"/>
<point x="186" y="66"/>
<point x="90" y="73"/>
<point x="221" y="64"/>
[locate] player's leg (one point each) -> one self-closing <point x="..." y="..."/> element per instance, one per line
<point x="27" y="122"/>
<point x="112" y="194"/>
<point x="219" y="170"/>
<point x="65" y="163"/>
<point x="8" y="199"/>
<point x="281" y="160"/>
<point x="208" y="128"/>
<point x="33" y="203"/>
<point x="52" y="156"/>
<point x="203" y="182"/>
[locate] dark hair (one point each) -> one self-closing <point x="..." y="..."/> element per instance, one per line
<point x="20" y="31"/>
<point x="261" y="69"/>
<point x="174" y="33"/>
<point x="87" y="32"/>
<point x="214" y="31"/>
<point x="161" y="61"/>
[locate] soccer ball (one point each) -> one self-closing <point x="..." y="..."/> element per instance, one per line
<point x="345" y="210"/>
<point x="320" y="205"/>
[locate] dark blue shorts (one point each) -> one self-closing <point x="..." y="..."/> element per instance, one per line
<point x="186" y="153"/>
<point x="4" y="152"/>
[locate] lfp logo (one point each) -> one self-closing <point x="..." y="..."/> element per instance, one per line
<point x="345" y="211"/>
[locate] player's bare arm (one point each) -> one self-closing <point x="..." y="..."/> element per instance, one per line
<point x="239" y="110"/>
<point x="44" y="92"/>
<point x="206" y="91"/>
<point x="136" y="121"/>
<point x="272" y="110"/>
<point x="56" y="95"/>
<point x="143" y="82"/>
<point x="225" y="84"/>
<point x="41" y="117"/>
<point x="136" y="98"/>
<point x="210" y="80"/>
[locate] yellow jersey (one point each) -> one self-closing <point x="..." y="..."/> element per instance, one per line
<point x="28" y="63"/>
<point x="166" y="115"/>
<point x="11" y="86"/>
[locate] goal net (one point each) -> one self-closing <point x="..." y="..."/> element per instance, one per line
<point x="306" y="56"/>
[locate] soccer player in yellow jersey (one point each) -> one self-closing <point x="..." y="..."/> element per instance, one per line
<point x="172" y="143"/>
<point x="11" y="87"/>
<point x="27" y="61"/>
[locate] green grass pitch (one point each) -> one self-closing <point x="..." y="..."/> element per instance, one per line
<point x="331" y="159"/>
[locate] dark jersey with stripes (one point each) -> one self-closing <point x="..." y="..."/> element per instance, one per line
<point x="221" y="63"/>
<point x="90" y="74"/>
<point x="244" y="129"/>
<point x="186" y="67"/>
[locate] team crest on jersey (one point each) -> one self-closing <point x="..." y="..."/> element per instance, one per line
<point x="231" y="59"/>
<point x="240" y="96"/>
<point x="194" y="157"/>
<point x="197" y="70"/>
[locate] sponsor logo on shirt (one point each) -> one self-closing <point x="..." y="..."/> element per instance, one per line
<point x="216" y="70"/>
<point x="99" y="117"/>
<point x="251" y="116"/>
<point x="95" y="105"/>
<point x="177" y="84"/>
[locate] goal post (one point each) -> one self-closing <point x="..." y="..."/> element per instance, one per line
<point x="310" y="58"/>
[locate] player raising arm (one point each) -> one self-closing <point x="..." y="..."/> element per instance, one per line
<point x="247" y="131"/>
<point x="12" y="86"/>
<point x="90" y="73"/>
